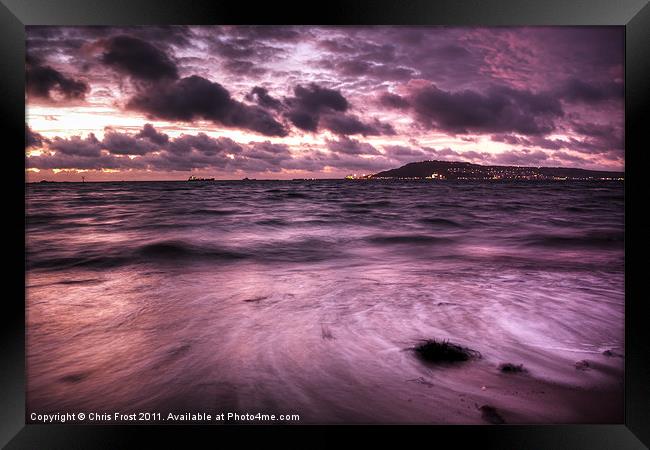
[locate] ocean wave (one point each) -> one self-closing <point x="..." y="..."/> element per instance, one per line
<point x="391" y="239"/>
<point x="437" y="221"/>
<point x="593" y="240"/>
<point x="171" y="252"/>
<point x="168" y="250"/>
<point x="208" y="212"/>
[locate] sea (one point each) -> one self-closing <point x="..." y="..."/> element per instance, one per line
<point x="307" y="297"/>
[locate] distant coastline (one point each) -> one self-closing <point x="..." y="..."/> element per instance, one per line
<point x="464" y="171"/>
<point x="427" y="170"/>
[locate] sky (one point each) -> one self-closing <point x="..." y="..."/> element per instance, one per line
<point x="281" y="102"/>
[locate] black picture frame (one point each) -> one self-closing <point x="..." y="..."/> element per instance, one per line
<point x="634" y="15"/>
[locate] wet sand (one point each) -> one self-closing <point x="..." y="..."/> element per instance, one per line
<point x="594" y="396"/>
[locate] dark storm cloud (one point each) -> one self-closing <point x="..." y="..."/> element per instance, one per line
<point x="76" y="146"/>
<point x="576" y="90"/>
<point x="72" y="42"/>
<point x="145" y="141"/>
<point x="596" y="49"/>
<point x="597" y="145"/>
<point x="139" y="59"/>
<point x="317" y="98"/>
<point x="594" y="129"/>
<point x="185" y="152"/>
<point x="347" y="124"/>
<point x="265" y="154"/>
<point x="314" y="107"/>
<point x="204" y="144"/>
<point x="187" y="99"/>
<point x="41" y="81"/>
<point x="115" y="143"/>
<point x="509" y="139"/>
<point x="123" y="144"/>
<point x="149" y="132"/>
<point x="402" y="54"/>
<point x="500" y="109"/>
<point x="351" y="147"/>
<point x="79" y="162"/>
<point x="305" y="120"/>
<point x="262" y="97"/>
<point x="604" y="137"/>
<point x="253" y="157"/>
<point x="309" y="102"/>
<point x="195" y="98"/>
<point x="200" y="151"/>
<point x="595" y="139"/>
<point x="33" y="139"/>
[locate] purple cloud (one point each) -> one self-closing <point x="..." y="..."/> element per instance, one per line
<point x="124" y="144"/>
<point x="149" y="132"/>
<point x="194" y="98"/>
<point x="139" y="59"/>
<point x="548" y="95"/>
<point x="351" y="147"/>
<point x="33" y="139"/>
<point x="500" y="109"/>
<point x="42" y="80"/>
<point x="76" y="146"/>
<point x="576" y="90"/>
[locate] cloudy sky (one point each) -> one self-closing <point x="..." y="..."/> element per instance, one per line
<point x="145" y="103"/>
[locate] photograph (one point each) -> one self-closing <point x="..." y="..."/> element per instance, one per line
<point x="325" y="224"/>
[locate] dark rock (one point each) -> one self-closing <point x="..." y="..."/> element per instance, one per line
<point x="511" y="368"/>
<point x="490" y="414"/>
<point x="444" y="352"/>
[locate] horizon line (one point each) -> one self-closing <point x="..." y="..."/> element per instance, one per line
<point x="368" y="176"/>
